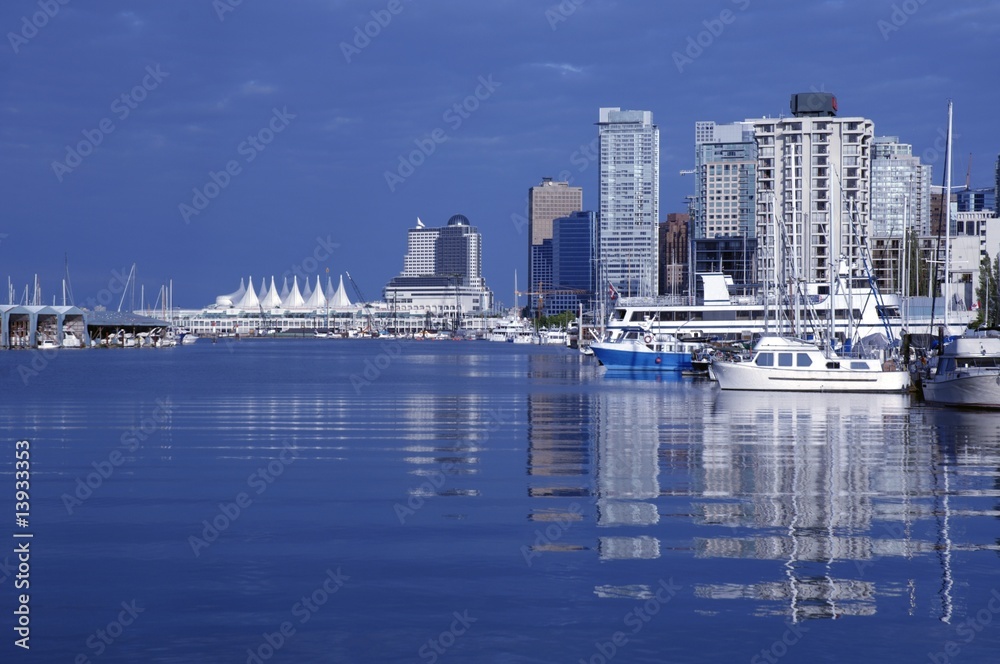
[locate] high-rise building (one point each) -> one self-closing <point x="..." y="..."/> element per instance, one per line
<point x="547" y="201"/>
<point x="725" y="164"/>
<point x="900" y="189"/>
<point x="442" y="271"/>
<point x="629" y="201"/>
<point x="573" y="242"/>
<point x="813" y="189"/>
<point x="674" y="250"/>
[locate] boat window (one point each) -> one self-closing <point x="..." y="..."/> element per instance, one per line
<point x="619" y="314"/>
<point x="803" y="360"/>
<point x="638" y="317"/>
<point x="784" y="359"/>
<point x="833" y="365"/>
<point x="980" y="362"/>
<point x="765" y="359"/>
<point x="862" y="366"/>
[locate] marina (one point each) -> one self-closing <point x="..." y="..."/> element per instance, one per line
<point x="519" y="486"/>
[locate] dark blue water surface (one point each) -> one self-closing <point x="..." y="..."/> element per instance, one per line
<point x="365" y="501"/>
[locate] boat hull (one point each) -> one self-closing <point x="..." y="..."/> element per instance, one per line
<point x="746" y="376"/>
<point x="976" y="391"/>
<point x="615" y="356"/>
<point x="791" y="365"/>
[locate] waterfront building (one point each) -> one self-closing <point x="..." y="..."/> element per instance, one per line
<point x="442" y="271"/>
<point x="628" y="201"/>
<point x="573" y="261"/>
<point x="674" y="243"/>
<point x="976" y="200"/>
<point x="900" y="189"/>
<point x="814" y="184"/>
<point x="725" y="180"/>
<point x="546" y="202"/>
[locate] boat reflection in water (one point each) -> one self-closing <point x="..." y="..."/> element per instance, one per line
<point x="843" y="501"/>
<point x="804" y="474"/>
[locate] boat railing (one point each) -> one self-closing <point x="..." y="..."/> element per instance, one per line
<point x="682" y="301"/>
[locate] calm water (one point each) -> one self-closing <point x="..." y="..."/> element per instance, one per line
<point x="355" y="501"/>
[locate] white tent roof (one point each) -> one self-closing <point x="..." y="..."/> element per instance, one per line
<point x="307" y="291"/>
<point x="228" y="300"/>
<point x="340" y="298"/>
<point x="284" y="289"/>
<point x="249" y="299"/>
<point x="294" y="298"/>
<point x="272" y="300"/>
<point x="317" y="300"/>
<point x="329" y="292"/>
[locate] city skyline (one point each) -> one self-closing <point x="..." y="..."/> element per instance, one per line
<point x="205" y="141"/>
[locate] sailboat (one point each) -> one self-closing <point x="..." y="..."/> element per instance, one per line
<point x="789" y="363"/>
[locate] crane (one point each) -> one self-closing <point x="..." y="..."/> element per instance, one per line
<point x="541" y="293"/>
<point x="364" y="303"/>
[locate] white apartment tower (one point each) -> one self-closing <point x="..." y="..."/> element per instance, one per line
<point x="901" y="190"/>
<point x="629" y="201"/>
<point x="813" y="189"/>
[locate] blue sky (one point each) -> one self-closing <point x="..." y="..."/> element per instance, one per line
<point x="115" y="113"/>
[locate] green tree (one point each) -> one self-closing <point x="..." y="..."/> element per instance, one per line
<point x="986" y="294"/>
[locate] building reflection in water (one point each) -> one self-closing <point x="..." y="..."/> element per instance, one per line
<point x="828" y="487"/>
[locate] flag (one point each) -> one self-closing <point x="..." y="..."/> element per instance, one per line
<point x="420" y="224"/>
<point x="612" y="293"/>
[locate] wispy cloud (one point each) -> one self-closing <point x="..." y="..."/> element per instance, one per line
<point x="254" y="87"/>
<point x="564" y="68"/>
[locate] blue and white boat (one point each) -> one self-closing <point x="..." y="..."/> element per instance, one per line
<point x="639" y="349"/>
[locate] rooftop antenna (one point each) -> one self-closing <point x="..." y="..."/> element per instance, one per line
<point x="968" y="173"/>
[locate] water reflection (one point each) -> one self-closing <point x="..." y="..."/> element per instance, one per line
<point x="831" y="489"/>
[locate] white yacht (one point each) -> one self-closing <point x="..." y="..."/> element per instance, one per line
<point x="787" y="364"/>
<point x="967" y="373"/>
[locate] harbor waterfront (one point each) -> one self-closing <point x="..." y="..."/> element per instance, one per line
<point x="395" y="501"/>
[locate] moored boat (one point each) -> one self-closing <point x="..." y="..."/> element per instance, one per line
<point x="967" y="374"/>
<point x="789" y="364"/>
<point x="637" y="349"/>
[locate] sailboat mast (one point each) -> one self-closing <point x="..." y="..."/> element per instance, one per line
<point x="947" y="223"/>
